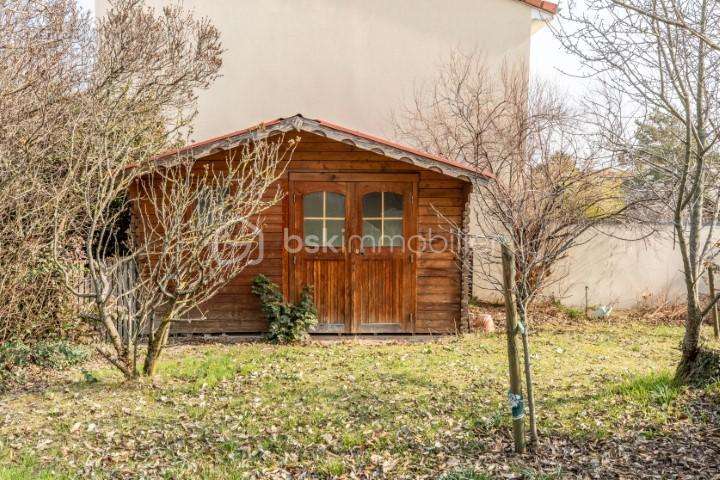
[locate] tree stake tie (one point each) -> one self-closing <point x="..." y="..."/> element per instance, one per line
<point x="517" y="406"/>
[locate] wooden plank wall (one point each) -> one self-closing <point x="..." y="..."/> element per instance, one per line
<point x="441" y="203"/>
<point x="236" y="310"/>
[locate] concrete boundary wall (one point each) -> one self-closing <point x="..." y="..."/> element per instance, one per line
<point x="618" y="272"/>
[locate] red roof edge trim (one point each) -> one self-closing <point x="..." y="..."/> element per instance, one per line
<point x="404" y="148"/>
<point x="548" y="7"/>
<point x="219" y="138"/>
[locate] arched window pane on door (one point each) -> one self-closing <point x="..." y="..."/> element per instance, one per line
<point x="324" y="219"/>
<point x="382" y="219"/>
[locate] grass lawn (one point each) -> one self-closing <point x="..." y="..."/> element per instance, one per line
<point x="364" y="410"/>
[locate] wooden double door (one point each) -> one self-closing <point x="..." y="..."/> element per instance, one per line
<point x="350" y="240"/>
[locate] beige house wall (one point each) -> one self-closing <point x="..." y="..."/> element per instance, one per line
<point x="350" y="62"/>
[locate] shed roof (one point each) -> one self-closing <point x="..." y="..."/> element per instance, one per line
<point x="332" y="131"/>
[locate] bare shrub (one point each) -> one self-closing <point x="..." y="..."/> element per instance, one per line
<point x="549" y="189"/>
<point x="656" y="63"/>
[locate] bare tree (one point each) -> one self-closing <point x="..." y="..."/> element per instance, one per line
<point x="192" y="230"/>
<point x="549" y="189"/>
<point x="669" y="13"/>
<point x="197" y="231"/>
<point x="114" y="93"/>
<point x="657" y="57"/>
<point x="41" y="70"/>
<point x="82" y="103"/>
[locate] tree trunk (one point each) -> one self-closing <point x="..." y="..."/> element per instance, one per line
<point x="155" y="347"/>
<point x="689" y="249"/>
<point x="123" y="358"/>
<point x="119" y="363"/>
<point x="534" y="438"/>
<point x="691" y="341"/>
<point x="714" y="310"/>
<point x="515" y="394"/>
<point x="692" y="262"/>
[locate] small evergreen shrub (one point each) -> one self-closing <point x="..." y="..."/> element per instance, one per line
<point x="288" y="322"/>
<point x="51" y="354"/>
<point x="571" y="312"/>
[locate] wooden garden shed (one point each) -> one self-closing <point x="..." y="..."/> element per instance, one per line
<point x="344" y="187"/>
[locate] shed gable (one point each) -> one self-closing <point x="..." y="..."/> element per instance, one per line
<point x="322" y="128"/>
